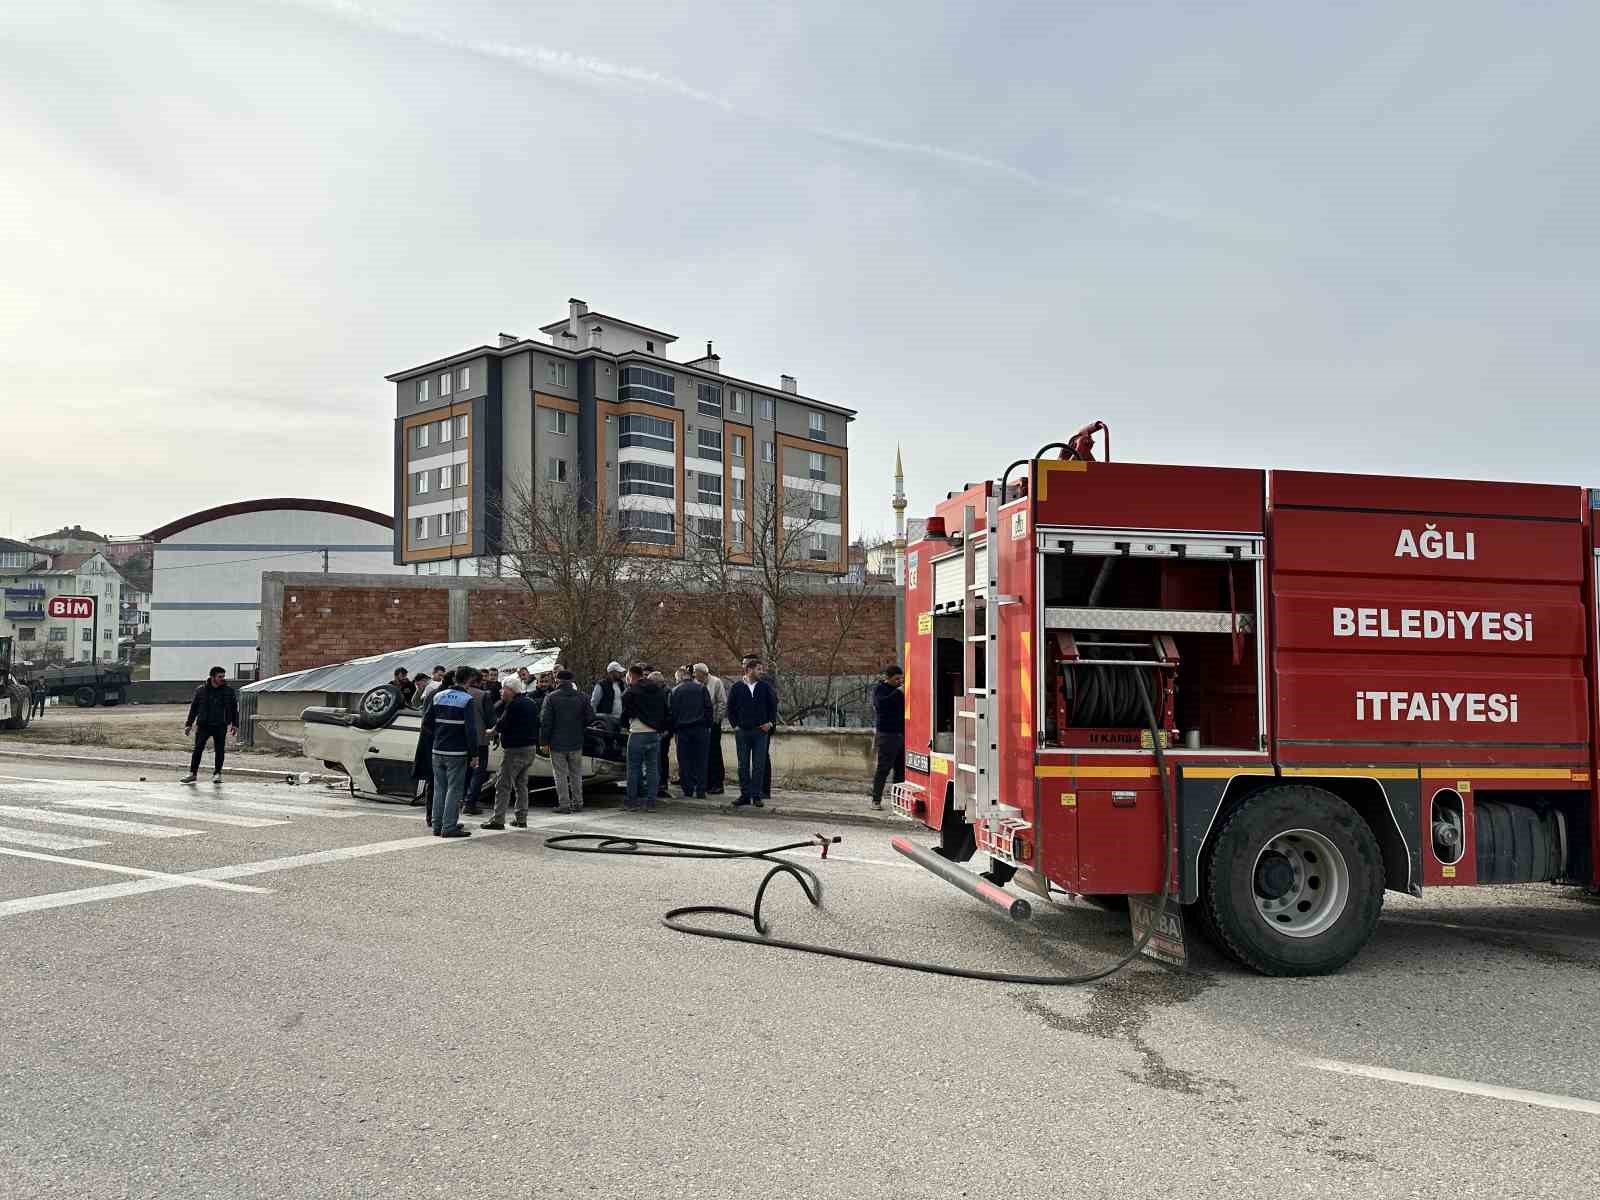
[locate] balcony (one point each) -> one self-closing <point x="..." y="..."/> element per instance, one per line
<point x="16" y="593"/>
<point x="24" y="614"/>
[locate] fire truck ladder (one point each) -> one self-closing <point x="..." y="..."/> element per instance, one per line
<point x="977" y="741"/>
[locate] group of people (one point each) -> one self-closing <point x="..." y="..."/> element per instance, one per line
<point x="469" y="709"/>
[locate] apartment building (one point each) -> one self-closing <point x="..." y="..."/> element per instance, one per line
<point x="30" y="575"/>
<point x="676" y="454"/>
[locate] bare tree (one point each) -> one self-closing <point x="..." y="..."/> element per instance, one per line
<point x="769" y="587"/>
<point x="592" y="591"/>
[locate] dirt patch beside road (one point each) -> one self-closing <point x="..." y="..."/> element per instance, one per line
<point x="124" y="727"/>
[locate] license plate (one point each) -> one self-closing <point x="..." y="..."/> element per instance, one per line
<point x="917" y="762"/>
<point x="1166" y="943"/>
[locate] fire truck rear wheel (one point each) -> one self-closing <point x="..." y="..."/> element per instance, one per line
<point x="1294" y="882"/>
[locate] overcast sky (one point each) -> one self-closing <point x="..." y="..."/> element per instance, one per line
<point x="1357" y="236"/>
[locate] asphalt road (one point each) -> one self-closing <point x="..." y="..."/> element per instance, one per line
<point x="333" y="1004"/>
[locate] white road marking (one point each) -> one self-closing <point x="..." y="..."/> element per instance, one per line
<point x="50" y="841"/>
<point x="119" y="869"/>
<point x="189" y="813"/>
<point x="1466" y="1087"/>
<point x="1423" y="923"/>
<point x="52" y="816"/>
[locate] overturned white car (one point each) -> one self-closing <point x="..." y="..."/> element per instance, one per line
<point x="373" y="737"/>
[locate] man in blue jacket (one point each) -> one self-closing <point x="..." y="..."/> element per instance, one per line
<point x="752" y="711"/>
<point x="452" y="719"/>
<point x="888" y="730"/>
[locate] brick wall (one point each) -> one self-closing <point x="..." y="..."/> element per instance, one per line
<point x="322" y="625"/>
<point x="332" y="622"/>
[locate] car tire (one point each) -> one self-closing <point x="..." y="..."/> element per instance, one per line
<point x="379" y="706"/>
<point x="86" y="697"/>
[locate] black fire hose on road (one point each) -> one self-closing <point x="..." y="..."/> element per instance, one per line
<point x="811" y="885"/>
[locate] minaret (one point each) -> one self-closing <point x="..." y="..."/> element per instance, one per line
<point x="899" y="519"/>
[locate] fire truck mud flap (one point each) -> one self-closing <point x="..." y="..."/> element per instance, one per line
<point x="1165" y="943"/>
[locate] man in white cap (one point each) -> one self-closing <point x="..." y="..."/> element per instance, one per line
<point x="606" y="699"/>
<point x="518" y="729"/>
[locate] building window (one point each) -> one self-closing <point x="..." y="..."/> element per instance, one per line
<point x="461" y="520"/>
<point x="444" y="384"/>
<point x="105" y="635"/>
<point x="816" y="426"/>
<point x="817" y="548"/>
<point x="738" y="533"/>
<point x="738" y="491"/>
<point x="556" y="372"/>
<point x="710" y="489"/>
<point x="767" y="453"/>
<point x="819" y="469"/>
<point x="641" y="383"/>
<point x="58" y="634"/>
<point x="649" y="347"/>
<point x="420" y="484"/>
<point x="461" y="474"/>
<point x="738" y="447"/>
<point x="709" y="444"/>
<point x="709" y="532"/>
<point x="461" y="425"/>
<point x="817" y="506"/>
<point x="444" y="524"/>
<point x="444" y="478"/>
<point x="558" y="421"/>
<point x="420" y="532"/>
<point x="738" y="402"/>
<point x="463" y="379"/>
<point x="645" y="479"/>
<point x="25" y="633"/>
<point x="86" y="636"/>
<point x="422" y="391"/>
<point x="641" y="526"/>
<point x="419" y="436"/>
<point x="555" y="470"/>
<point x="651" y="433"/>
<point x="766" y="408"/>
<point x="445" y="427"/>
<point x="708" y="399"/>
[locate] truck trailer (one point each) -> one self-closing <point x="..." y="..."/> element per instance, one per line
<point x="1295" y="689"/>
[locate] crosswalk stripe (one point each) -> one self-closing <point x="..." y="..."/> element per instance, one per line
<point x="56" y="817"/>
<point x="47" y="841"/>
<point x="191" y="813"/>
<point x="337" y="812"/>
<point x="336" y="809"/>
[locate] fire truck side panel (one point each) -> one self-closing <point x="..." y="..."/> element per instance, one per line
<point x="1136" y="496"/>
<point x="918" y="665"/>
<point x="1592" y="589"/>
<point x="1398" y="493"/>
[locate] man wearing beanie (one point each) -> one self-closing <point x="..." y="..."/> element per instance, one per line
<point x="567" y="713"/>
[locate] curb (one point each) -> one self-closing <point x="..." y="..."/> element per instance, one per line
<point x="102" y="761"/>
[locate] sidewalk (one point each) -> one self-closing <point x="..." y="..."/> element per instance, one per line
<point x="789" y="805"/>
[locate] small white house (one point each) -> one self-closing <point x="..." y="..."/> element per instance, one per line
<point x="205" y="605"/>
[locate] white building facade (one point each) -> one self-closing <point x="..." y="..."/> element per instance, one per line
<point x="30" y="577"/>
<point x="205" y="605"/>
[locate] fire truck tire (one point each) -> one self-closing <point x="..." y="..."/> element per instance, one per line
<point x="1293" y="882"/>
<point x="86" y="697"/>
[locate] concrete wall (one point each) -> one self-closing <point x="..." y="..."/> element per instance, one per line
<point x="206" y="605"/>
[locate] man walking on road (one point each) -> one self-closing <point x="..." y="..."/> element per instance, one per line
<point x="213" y="714"/>
<point x="518" y="729"/>
<point x="452" y="722"/>
<point x="752" y="711"/>
<point x="644" y="707"/>
<point x="37" y="695"/>
<point x="690" y="708"/>
<point x="888" y="730"/>
<point x="566" y="714"/>
<point x="718" y="691"/>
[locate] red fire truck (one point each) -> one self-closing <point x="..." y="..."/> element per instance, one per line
<point x="1358" y="683"/>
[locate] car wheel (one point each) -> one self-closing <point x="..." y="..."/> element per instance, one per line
<point x="378" y="706"/>
<point x="86" y="697"/>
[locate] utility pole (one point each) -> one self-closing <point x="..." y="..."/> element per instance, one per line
<point x="324" y="560"/>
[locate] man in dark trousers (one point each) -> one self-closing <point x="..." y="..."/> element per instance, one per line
<point x="690" y="707"/>
<point x="518" y="731"/>
<point x="888" y="730"/>
<point x="39" y="696"/>
<point x="562" y="723"/>
<point x="718" y="691"/>
<point x="752" y="711"/>
<point x="213" y="714"/>
<point x="644" y="708"/>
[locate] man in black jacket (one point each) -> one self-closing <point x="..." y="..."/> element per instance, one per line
<point x="562" y="722"/>
<point x="690" y="709"/>
<point x="889" y="730"/>
<point x="213" y="714"/>
<point x="644" y="708"/>
<point x="519" y="738"/>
